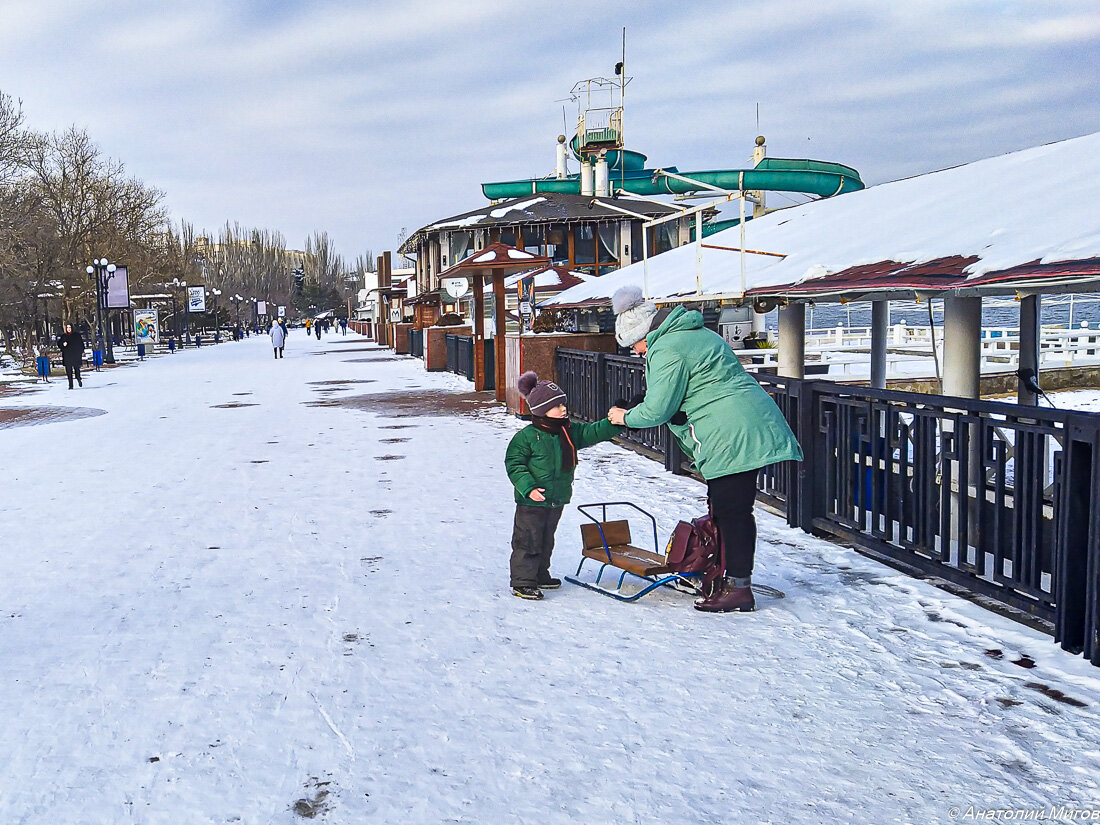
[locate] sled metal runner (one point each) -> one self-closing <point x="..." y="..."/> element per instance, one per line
<point x="607" y="543"/>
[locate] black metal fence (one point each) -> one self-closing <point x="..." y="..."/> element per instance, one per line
<point x="416" y="342"/>
<point x="460" y="358"/>
<point x="994" y="498"/>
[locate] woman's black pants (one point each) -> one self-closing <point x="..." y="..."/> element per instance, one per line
<point x="73" y="371"/>
<point x="732" y="499"/>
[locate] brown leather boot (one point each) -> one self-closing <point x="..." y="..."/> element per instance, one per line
<point x="728" y="599"/>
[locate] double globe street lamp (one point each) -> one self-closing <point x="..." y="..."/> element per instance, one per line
<point x="236" y="299"/>
<point x="101" y="270"/>
<point x="214" y="293"/>
<point x="186" y="309"/>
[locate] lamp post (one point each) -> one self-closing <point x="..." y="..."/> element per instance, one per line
<point x="101" y="271"/>
<point x="236" y="299"/>
<point x="186" y="309"/>
<point x="214" y="293"/>
<point x="255" y="316"/>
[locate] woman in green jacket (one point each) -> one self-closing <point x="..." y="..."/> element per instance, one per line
<point x="723" y="419"/>
<point x="540" y="461"/>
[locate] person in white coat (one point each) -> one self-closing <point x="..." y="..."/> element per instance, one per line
<point x="278" y="338"/>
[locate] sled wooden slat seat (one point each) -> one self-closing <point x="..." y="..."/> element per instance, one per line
<point x="618" y="551"/>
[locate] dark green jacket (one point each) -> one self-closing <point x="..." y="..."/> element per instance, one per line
<point x="533" y="460"/>
<point x="732" y="423"/>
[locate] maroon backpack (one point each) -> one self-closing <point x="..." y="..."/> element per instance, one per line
<point x="696" y="547"/>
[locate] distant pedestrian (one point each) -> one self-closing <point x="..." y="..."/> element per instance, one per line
<point x="317" y="329"/>
<point x="540" y="461"/>
<point x="286" y="329"/>
<point x="343" y="326"/>
<point x="72" y="354"/>
<point x="278" y="338"/>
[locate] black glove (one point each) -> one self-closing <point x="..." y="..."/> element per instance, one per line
<point x="631" y="404"/>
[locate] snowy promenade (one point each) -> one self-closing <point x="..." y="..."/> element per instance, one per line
<point x="275" y="610"/>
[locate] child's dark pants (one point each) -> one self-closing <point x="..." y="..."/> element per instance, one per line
<point x="532" y="544"/>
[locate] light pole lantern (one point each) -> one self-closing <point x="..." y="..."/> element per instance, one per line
<point x="186" y="309"/>
<point x="101" y="270"/>
<point x="214" y="293"/>
<point x="236" y="299"/>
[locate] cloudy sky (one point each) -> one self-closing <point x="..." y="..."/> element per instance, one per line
<point x="363" y="118"/>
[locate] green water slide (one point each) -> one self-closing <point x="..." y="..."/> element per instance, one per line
<point x="626" y="172"/>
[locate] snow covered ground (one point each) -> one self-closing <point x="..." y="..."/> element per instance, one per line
<point x="277" y="611"/>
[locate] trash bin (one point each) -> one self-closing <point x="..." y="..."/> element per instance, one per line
<point x="141" y="350"/>
<point x="171" y="344"/>
<point x="43" y="364"/>
<point x="97" y="358"/>
<point x="198" y="340"/>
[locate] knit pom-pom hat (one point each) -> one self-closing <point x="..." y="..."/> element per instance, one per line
<point x="542" y="396"/>
<point x="633" y="315"/>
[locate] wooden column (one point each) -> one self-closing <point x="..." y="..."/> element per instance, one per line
<point x="500" y="353"/>
<point x="479" y="334"/>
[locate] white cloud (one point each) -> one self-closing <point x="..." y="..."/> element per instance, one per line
<point x="364" y="119"/>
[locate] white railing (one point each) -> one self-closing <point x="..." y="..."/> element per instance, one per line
<point x="847" y="349"/>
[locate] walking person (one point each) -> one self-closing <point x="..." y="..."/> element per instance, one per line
<point x="278" y="338"/>
<point x="723" y="419"/>
<point x="541" y="460"/>
<point x="72" y="354"/>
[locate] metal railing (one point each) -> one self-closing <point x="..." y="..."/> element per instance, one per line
<point x="994" y="498"/>
<point x="460" y="358"/>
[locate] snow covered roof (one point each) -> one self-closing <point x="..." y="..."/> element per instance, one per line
<point x="550" y="207"/>
<point x="1026" y="217"/>
<point x="548" y="279"/>
<point x="496" y="257"/>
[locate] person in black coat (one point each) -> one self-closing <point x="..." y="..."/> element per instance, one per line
<point x="72" y="354"/>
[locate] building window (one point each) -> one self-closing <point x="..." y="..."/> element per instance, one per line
<point x="608" y="247"/>
<point x="459" y="244"/>
<point x="584" y="244"/>
<point x="557" y="244"/>
<point x="665" y="237"/>
<point x="532" y="240"/>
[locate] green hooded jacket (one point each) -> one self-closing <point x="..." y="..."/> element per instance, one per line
<point x="733" y="425"/>
<point x="533" y="460"/>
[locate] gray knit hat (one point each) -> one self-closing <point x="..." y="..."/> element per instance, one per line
<point x="542" y="396"/>
<point x="633" y="315"/>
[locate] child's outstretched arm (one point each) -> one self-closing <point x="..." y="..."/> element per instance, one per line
<point x="585" y="435"/>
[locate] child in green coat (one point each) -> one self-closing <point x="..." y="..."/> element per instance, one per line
<point x="540" y="461"/>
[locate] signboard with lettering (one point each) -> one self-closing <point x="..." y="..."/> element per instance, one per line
<point x="196" y="299"/>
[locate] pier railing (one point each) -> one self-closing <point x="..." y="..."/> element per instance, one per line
<point x="460" y="358"/>
<point x="993" y="498"/>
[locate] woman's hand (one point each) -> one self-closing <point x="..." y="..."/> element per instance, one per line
<point x="617" y="416"/>
<point x="537" y="494"/>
